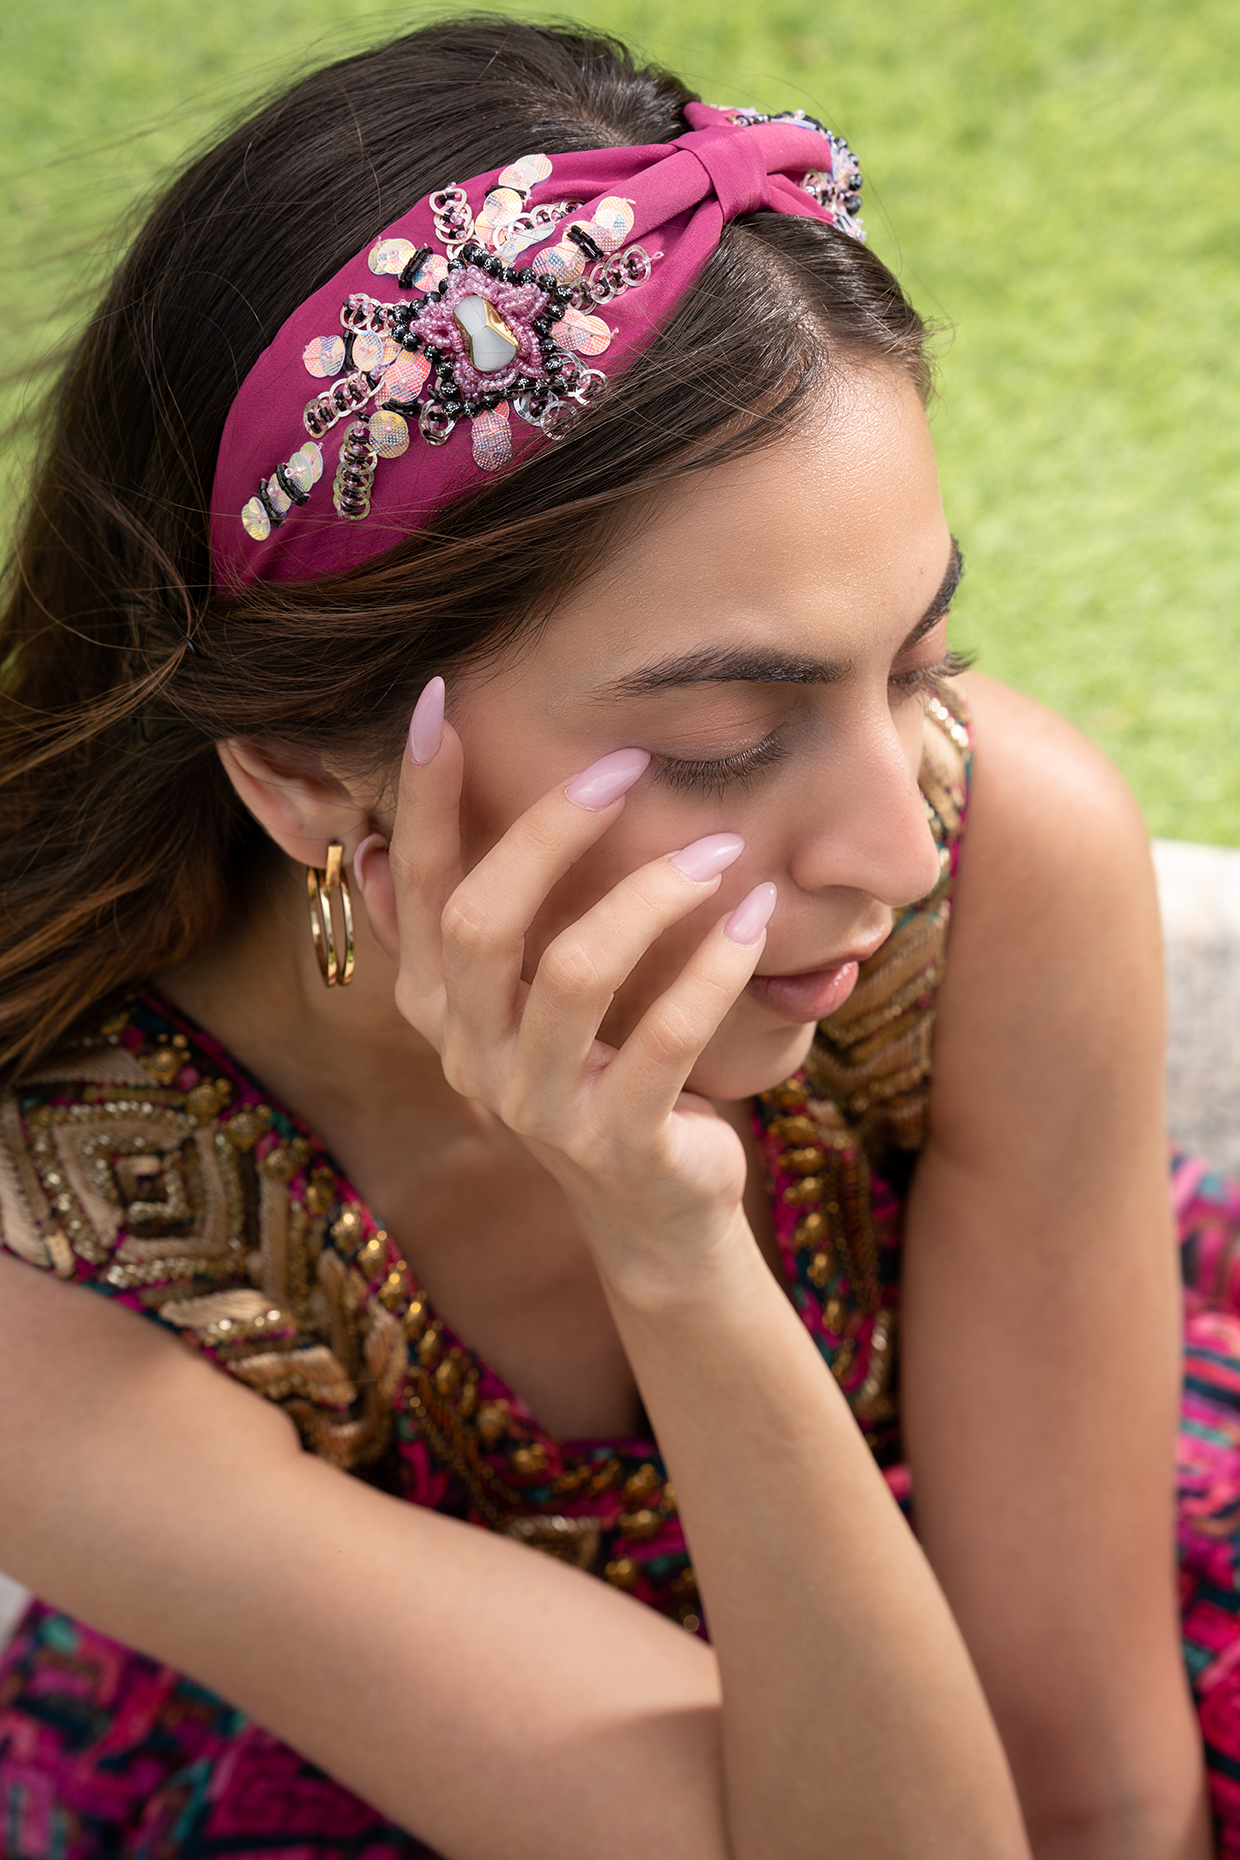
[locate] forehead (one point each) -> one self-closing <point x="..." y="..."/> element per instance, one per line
<point x="818" y="543"/>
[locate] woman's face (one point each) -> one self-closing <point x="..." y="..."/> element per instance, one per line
<point x="760" y="634"/>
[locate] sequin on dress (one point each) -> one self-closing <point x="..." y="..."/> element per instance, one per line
<point x="144" y="1162"/>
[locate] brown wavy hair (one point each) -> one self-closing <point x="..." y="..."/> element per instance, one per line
<point x="119" y="671"/>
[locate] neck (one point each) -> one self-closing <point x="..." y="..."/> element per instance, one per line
<point x="342" y="1058"/>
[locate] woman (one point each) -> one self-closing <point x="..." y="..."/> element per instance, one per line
<point x="616" y="1123"/>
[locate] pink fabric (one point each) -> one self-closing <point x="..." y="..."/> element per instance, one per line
<point x="682" y="194"/>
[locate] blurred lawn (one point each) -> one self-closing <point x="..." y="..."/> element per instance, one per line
<point x="1056" y="182"/>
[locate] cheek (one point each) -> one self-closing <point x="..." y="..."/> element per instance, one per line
<point x="910" y="725"/>
<point x="616" y="929"/>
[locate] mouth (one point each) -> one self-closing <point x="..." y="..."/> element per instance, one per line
<point x="810" y="996"/>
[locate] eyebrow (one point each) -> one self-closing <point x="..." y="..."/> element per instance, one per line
<point x="733" y="665"/>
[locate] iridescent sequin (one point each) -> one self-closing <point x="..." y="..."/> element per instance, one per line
<point x="389" y="433"/>
<point x="324" y="356"/>
<point x="485" y="340"/>
<point x="525" y="172"/>
<point x="492" y="437"/>
<point x="605" y="232"/>
<point x="371" y="351"/>
<point x="255" y="520"/>
<point x="390" y="256"/>
<point x="588" y="335"/>
<point x="261" y="514"/>
<point x="405" y="379"/>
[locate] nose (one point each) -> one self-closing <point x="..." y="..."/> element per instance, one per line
<point x="867" y="826"/>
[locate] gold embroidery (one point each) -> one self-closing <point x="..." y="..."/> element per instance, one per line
<point x="872" y="1058"/>
<point x="242" y="1242"/>
<point x="234" y="1316"/>
<point x="869" y="1070"/>
<point x="23" y="1205"/>
<point x="572" y="1540"/>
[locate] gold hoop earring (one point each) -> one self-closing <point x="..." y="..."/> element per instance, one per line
<point x="320" y="889"/>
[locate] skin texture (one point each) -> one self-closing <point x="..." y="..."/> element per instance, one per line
<point x="535" y="987"/>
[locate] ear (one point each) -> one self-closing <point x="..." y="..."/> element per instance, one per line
<point x="295" y="800"/>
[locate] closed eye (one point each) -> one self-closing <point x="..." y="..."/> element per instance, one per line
<point x="929" y="678"/>
<point x="720" y="774"/>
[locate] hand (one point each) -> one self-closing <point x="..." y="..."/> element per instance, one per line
<point x="642" y="1161"/>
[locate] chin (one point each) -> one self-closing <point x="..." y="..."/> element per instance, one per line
<point x="737" y="1065"/>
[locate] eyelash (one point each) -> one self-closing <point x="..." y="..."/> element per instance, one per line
<point x="930" y="677"/>
<point x="717" y="776"/>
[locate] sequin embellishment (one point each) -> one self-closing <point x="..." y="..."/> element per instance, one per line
<point x="288" y="485"/>
<point x="473" y="338"/>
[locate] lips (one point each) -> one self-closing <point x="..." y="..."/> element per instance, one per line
<point x="808" y="997"/>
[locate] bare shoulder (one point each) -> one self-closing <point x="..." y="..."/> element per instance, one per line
<point x="1054" y="977"/>
<point x="1042" y="791"/>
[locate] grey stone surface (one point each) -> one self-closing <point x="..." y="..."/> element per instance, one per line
<point x="1199" y="894"/>
<point x="12" y="1600"/>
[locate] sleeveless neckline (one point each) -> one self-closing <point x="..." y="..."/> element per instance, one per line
<point x="143" y="1160"/>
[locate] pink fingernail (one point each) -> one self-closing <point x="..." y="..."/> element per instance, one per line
<point x="606" y="780"/>
<point x="707" y="858"/>
<point x="361" y="855"/>
<point x="426" y="724"/>
<point x="751" y="915"/>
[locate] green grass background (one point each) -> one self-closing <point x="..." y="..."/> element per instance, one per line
<point x="1057" y="182"/>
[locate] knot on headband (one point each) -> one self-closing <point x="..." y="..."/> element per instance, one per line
<point x="735" y="166"/>
<point x="508" y="289"/>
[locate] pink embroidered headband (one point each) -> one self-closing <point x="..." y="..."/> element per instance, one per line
<point x="484" y="327"/>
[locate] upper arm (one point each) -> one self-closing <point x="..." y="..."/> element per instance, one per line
<point x="1042" y="1327"/>
<point x="473" y="1690"/>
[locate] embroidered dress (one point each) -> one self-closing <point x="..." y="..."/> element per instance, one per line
<point x="144" y="1162"/>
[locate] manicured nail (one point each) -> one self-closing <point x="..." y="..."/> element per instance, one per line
<point x="362" y="854"/>
<point x="707" y="858"/>
<point x="751" y="915"/>
<point x="606" y="780"/>
<point x="426" y="724"/>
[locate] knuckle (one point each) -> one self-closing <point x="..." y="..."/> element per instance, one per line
<point x="671" y="1033"/>
<point x="465" y="926"/>
<point x="569" y="967"/>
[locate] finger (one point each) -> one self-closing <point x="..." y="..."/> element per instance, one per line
<point x="580" y="972"/>
<point x="485" y="921"/>
<point x="424" y="860"/>
<point x="649" y="1072"/>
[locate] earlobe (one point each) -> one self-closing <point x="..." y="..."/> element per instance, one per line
<point x="298" y="804"/>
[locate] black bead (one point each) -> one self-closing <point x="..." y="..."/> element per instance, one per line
<point x="582" y="240"/>
<point x="412" y="267"/>
<point x="525" y="275"/>
<point x="290" y="488"/>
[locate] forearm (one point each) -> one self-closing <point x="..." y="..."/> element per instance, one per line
<point x="849" y="1700"/>
<point x="476" y="1692"/>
